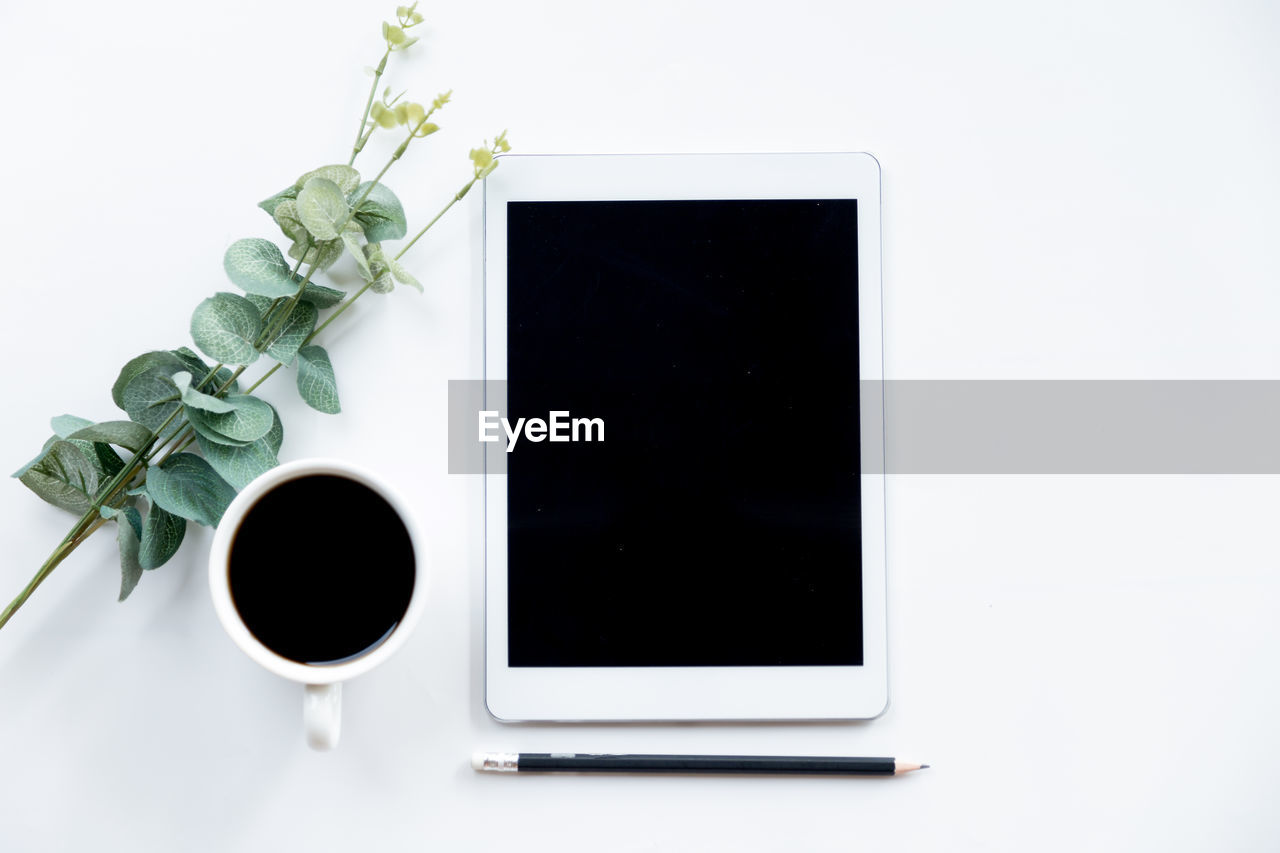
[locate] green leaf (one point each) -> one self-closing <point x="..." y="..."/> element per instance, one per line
<point x="225" y="327"/>
<point x="270" y="204"/>
<point x="135" y="520"/>
<point x="320" y="296"/>
<point x="196" y="366"/>
<point x="185" y="485"/>
<point x="403" y="275"/>
<point x="380" y="215"/>
<point x="322" y="207"/>
<point x="127" y="434"/>
<point x="286" y="216"/>
<point x="131" y="516"/>
<point x="316" y="382"/>
<point x="167" y="362"/>
<point x="64" y="475"/>
<point x="193" y="399"/>
<point x="256" y="266"/>
<point x="17" y="475"/>
<point x="313" y="294"/>
<point x="151" y="397"/>
<point x="240" y="465"/>
<point x="275" y="436"/>
<point x="345" y="177"/>
<point x="381" y="115"/>
<point x="128" y="538"/>
<point x="382" y="281"/>
<point x="357" y="251"/>
<point x="95" y="440"/>
<point x="162" y="535"/>
<point x="322" y="254"/>
<point x="64" y="425"/>
<point x="300" y="324"/>
<point x="263" y="304"/>
<point x="199" y="422"/>
<point x="248" y="420"/>
<point x="109" y="462"/>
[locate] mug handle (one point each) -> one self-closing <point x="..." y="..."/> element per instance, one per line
<point x="322" y="714"/>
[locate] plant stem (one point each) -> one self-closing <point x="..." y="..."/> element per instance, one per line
<point x="396" y="155"/>
<point x="337" y="312"/>
<point x="75" y="543"/>
<point x="278" y="324"/>
<point x="271" y="328"/>
<point x="69" y="543"/>
<point x="456" y="198"/>
<point x="212" y="373"/>
<point x="361" y="137"/>
<point x="139" y="460"/>
<point x="180" y="443"/>
<point x="346" y="303"/>
<point x="92" y="520"/>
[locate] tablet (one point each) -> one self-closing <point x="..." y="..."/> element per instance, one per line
<point x="684" y="493"/>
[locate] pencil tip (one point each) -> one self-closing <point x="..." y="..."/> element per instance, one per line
<point x="924" y="766"/>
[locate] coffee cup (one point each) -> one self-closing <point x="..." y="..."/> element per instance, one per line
<point x="318" y="573"/>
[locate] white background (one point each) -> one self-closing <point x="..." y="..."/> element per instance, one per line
<point x="1072" y="190"/>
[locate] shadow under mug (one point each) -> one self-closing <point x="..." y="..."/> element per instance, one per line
<point x="322" y="696"/>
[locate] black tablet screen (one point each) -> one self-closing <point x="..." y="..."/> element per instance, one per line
<point x="718" y="522"/>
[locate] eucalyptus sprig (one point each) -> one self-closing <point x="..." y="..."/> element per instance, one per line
<point x="193" y="437"/>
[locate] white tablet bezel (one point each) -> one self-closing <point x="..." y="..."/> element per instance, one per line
<point x="517" y="694"/>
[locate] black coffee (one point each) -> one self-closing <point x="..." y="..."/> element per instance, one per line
<point x="321" y="569"/>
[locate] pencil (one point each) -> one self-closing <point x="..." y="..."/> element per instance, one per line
<point x="799" y="765"/>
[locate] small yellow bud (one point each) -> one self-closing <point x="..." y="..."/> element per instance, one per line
<point x="383" y="116"/>
<point x="402" y="11"/>
<point x="481" y="157"/>
<point x="394" y="35"/>
<point x="427" y="129"/>
<point x="441" y="99"/>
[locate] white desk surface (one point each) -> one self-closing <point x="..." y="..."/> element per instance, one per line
<point x="1085" y="190"/>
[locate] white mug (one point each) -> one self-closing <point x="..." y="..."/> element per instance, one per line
<point x="322" y="696"/>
